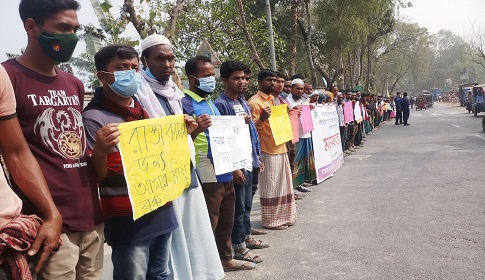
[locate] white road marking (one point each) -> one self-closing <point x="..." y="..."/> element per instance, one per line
<point x="455" y="125"/>
<point x="417" y="115"/>
<point x="436" y="114"/>
<point x="480" y="136"/>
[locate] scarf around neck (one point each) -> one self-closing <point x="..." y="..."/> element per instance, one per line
<point x="151" y="87"/>
<point x="129" y="114"/>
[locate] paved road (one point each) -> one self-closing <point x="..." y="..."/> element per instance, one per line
<point x="409" y="205"/>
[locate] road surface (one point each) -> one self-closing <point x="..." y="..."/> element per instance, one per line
<point x="409" y="205"/>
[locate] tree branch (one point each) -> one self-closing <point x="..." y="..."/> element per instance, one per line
<point x="129" y="8"/>
<point x="174" y="15"/>
<point x="254" y="52"/>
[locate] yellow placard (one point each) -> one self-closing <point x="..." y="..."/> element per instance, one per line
<point x="156" y="160"/>
<point x="280" y="124"/>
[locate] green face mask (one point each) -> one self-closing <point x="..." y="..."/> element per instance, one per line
<point x="58" y="47"/>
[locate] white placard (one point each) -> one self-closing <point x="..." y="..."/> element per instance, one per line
<point x="230" y="143"/>
<point x="326" y="141"/>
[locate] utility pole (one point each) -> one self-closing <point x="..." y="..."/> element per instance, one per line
<point x="269" y="21"/>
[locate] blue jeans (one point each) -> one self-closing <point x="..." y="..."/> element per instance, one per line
<point x="242" y="209"/>
<point x="142" y="260"/>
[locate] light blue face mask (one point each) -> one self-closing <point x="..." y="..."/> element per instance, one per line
<point x="126" y="83"/>
<point x="207" y="84"/>
<point x="149" y="73"/>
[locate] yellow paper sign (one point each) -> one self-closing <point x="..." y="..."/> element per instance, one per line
<point x="156" y="160"/>
<point x="280" y="124"/>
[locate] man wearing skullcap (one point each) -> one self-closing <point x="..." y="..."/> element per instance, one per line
<point x="304" y="163"/>
<point x="193" y="248"/>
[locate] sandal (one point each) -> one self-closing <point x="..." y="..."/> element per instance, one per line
<point x="252" y="243"/>
<point x="247" y="255"/>
<point x="278" y="228"/>
<point x="255" y="231"/>
<point x="241" y="265"/>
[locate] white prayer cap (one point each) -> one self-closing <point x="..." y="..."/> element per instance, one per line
<point x="297" y="82"/>
<point x="315" y="92"/>
<point x="153" y="40"/>
<point x="339" y="93"/>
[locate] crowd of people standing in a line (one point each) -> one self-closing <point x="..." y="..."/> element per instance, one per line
<point x="68" y="194"/>
<point x="374" y="110"/>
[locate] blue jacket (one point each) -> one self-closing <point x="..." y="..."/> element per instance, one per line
<point x="398" y="100"/>
<point x="405" y="103"/>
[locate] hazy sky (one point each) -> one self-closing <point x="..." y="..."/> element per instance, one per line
<point x="457" y="16"/>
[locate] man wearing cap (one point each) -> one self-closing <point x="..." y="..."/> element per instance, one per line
<point x="304" y="162"/>
<point x="193" y="248"/>
<point x="278" y="208"/>
<point x="314" y="98"/>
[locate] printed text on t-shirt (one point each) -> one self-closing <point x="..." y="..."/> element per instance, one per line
<point x="55" y="98"/>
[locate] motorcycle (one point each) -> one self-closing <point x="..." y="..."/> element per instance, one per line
<point x="468" y="104"/>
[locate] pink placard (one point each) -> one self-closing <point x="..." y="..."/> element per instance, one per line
<point x="295" y="122"/>
<point x="348" y="112"/>
<point x="306" y="119"/>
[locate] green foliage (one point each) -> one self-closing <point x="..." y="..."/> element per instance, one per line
<point x="349" y="37"/>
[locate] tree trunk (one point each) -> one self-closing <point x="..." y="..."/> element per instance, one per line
<point x="367" y="77"/>
<point x="174" y="15"/>
<point x="309" y="43"/>
<point x="322" y="71"/>
<point x="340" y="66"/>
<point x="254" y="52"/>
<point x="129" y="7"/>
<point x="360" y="54"/>
<point x="294" y="34"/>
<point x="351" y="70"/>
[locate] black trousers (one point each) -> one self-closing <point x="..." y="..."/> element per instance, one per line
<point x="343" y="137"/>
<point x="405" y="115"/>
<point x="358" y="135"/>
<point x="350" y="136"/>
<point x="399" y="116"/>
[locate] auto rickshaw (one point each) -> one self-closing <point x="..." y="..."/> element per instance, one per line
<point x="462" y="92"/>
<point x="429" y="98"/>
<point x="478" y="99"/>
<point x="421" y="103"/>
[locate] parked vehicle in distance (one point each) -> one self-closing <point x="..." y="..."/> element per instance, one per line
<point x="463" y="92"/>
<point x="428" y="96"/>
<point x="478" y="99"/>
<point x="421" y="103"/>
